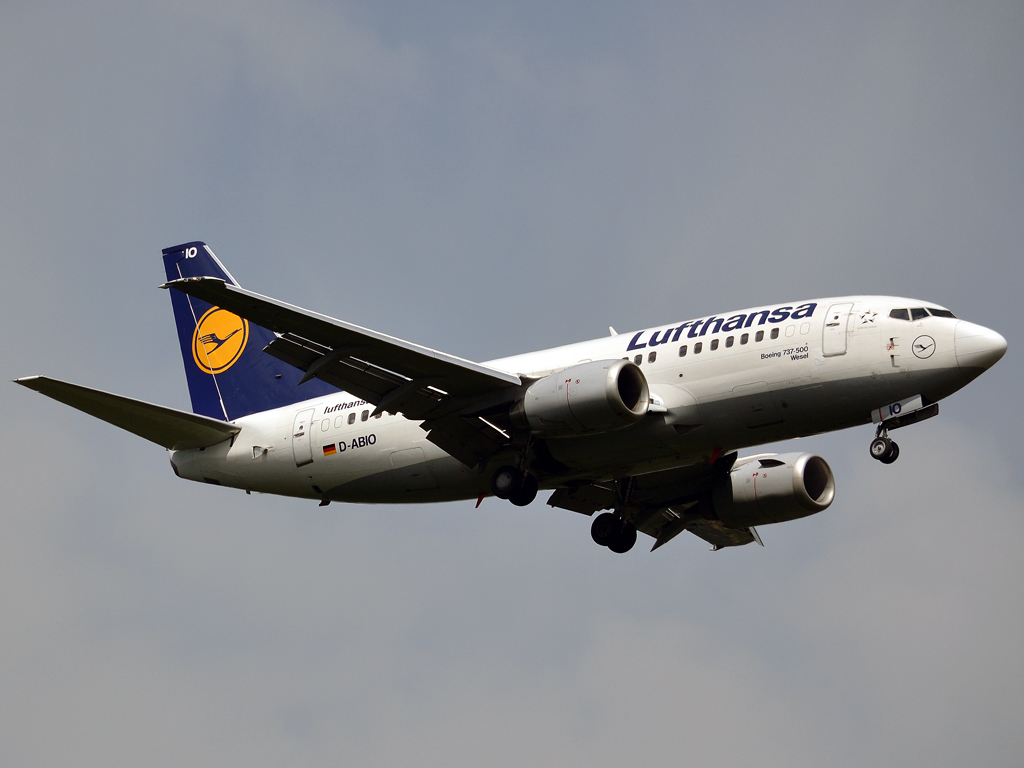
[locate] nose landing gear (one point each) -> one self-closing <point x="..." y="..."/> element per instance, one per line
<point x="882" y="448"/>
<point x="610" y="530"/>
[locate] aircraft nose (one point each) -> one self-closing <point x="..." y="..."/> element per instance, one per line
<point x="977" y="348"/>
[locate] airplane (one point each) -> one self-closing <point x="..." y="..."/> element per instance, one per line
<point x="644" y="427"/>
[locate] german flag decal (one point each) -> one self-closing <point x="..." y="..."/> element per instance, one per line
<point x="330" y="450"/>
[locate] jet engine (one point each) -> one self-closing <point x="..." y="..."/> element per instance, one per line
<point x="600" y="396"/>
<point x="773" y="488"/>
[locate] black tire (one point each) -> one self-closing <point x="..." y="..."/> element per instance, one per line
<point x="881" y="448"/>
<point x="504" y="482"/>
<point x="624" y="541"/>
<point x="604" y="528"/>
<point x="894" y="454"/>
<point x="524" y="492"/>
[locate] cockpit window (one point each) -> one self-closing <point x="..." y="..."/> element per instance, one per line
<point x="941" y="313"/>
<point x="900" y="314"/>
<point x="918" y="313"/>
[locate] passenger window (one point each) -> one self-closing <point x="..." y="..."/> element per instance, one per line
<point x="918" y="313"/>
<point x="759" y="336"/>
<point x="325" y="425"/>
<point x="682" y="351"/>
<point x="804" y="328"/>
<point x="365" y="416"/>
<point x="638" y="359"/>
<point x="744" y="338"/>
<point x="698" y="347"/>
<point x="729" y="341"/>
<point x="652" y="357"/>
<point x="775" y="333"/>
<point x="790" y="330"/>
<point x="338" y="422"/>
<point x="941" y="313"/>
<point x="352" y="418"/>
<point x="900" y="314"/>
<point x="714" y="344"/>
<point x="377" y="415"/>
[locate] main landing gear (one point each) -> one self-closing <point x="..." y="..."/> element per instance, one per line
<point x="882" y="448"/>
<point x="515" y="485"/>
<point x="610" y="530"/>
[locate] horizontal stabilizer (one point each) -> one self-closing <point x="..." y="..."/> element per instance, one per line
<point x="168" y="427"/>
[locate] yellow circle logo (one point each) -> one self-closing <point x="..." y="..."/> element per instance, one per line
<point x="219" y="340"/>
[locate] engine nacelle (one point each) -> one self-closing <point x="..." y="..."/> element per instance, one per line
<point x="588" y="398"/>
<point x="773" y="488"/>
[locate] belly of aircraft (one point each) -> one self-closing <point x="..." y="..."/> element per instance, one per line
<point x="747" y="419"/>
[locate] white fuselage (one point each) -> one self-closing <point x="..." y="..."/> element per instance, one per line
<point x="732" y="391"/>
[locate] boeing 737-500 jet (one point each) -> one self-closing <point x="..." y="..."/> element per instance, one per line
<point x="646" y="425"/>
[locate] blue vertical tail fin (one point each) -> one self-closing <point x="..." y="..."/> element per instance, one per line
<point x="229" y="375"/>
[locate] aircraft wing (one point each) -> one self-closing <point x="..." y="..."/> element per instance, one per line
<point x="447" y="393"/>
<point x="720" y="536"/>
<point x="168" y="427"/>
<point x="664" y="504"/>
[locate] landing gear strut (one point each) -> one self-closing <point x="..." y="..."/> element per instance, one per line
<point x="882" y="448"/>
<point x="518" y="487"/>
<point x="610" y="530"/>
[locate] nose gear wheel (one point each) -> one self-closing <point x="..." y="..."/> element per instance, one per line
<point x="884" y="450"/>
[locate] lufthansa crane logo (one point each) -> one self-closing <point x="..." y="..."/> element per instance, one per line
<point x="219" y="340"/>
<point x="924" y="347"/>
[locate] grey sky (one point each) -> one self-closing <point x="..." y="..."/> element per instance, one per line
<point x="489" y="179"/>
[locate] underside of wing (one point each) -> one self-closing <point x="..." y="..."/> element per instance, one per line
<point x="168" y="427"/>
<point x="447" y="393"/>
<point x="662" y="504"/>
<point x="720" y="536"/>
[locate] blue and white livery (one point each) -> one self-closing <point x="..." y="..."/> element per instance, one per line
<point x="644" y="427"/>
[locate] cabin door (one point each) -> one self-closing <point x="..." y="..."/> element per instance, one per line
<point x="833" y="338"/>
<point x="302" y="448"/>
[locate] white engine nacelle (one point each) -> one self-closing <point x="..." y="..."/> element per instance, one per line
<point x="773" y="488"/>
<point x="588" y="398"/>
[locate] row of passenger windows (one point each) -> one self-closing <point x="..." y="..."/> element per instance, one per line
<point x="699" y="346"/>
<point x="919" y="313"/>
<point x="339" y="421"/>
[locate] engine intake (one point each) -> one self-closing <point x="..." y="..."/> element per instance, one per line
<point x="774" y="488"/>
<point x="600" y="396"/>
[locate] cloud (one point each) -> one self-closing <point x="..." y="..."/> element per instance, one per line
<point x="310" y="53"/>
<point x="169" y="621"/>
